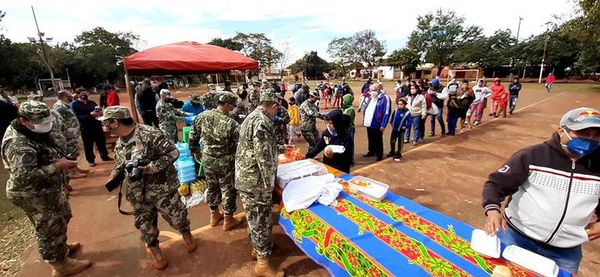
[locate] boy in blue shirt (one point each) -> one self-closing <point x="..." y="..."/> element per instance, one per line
<point x="400" y="121"/>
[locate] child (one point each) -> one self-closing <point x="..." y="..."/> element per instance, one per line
<point x="513" y="90"/>
<point x="349" y="111"/>
<point x="500" y="97"/>
<point x="338" y="97"/>
<point x="327" y="96"/>
<point x="401" y="120"/>
<point x="480" y="94"/>
<point x="294" y="125"/>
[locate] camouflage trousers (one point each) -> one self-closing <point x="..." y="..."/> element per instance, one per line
<point x="220" y="176"/>
<point x="170" y="130"/>
<point x="257" y="206"/>
<point x="172" y="210"/>
<point x="49" y="212"/>
<point x="281" y="134"/>
<point x="311" y="137"/>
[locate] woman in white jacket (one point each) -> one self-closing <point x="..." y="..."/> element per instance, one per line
<point x="418" y="111"/>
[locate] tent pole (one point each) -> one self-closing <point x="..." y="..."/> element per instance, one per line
<point x="134" y="113"/>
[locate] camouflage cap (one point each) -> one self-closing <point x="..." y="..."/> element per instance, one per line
<point x="35" y="97"/>
<point x="35" y="111"/>
<point x="228" y="98"/>
<point x="115" y="112"/>
<point x="268" y="96"/>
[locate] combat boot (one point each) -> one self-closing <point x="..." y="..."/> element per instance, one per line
<point x="68" y="267"/>
<point x="215" y="217"/>
<point x="263" y="268"/>
<point x="72" y="248"/>
<point x="159" y="261"/>
<point x="230" y="222"/>
<point x="190" y="244"/>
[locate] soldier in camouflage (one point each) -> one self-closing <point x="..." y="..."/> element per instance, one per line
<point x="36" y="182"/>
<point x="220" y="133"/>
<point x="240" y="111"/>
<point x="210" y="100"/>
<point x="280" y="122"/>
<point x="255" y="166"/>
<point x="156" y="191"/>
<point x="72" y="131"/>
<point x="168" y="115"/>
<point x="254" y="97"/>
<point x="309" y="113"/>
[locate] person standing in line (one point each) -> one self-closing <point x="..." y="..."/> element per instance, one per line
<point x="438" y="97"/>
<point x="72" y="128"/>
<point x="553" y="190"/>
<point x="145" y="157"/>
<point x="513" y="89"/>
<point x="220" y="134"/>
<point x="480" y="94"/>
<point x="36" y="184"/>
<point x="465" y="98"/>
<point x="294" y="126"/>
<point x="308" y="120"/>
<point x="549" y="82"/>
<point x="112" y="96"/>
<point x="92" y="133"/>
<point x="255" y="172"/>
<point x="400" y="123"/>
<point x="376" y="118"/>
<point x="418" y="111"/>
<point x="280" y="123"/>
<point x="147" y="100"/>
<point x="499" y="97"/>
<point x="254" y="97"/>
<point x="348" y="110"/>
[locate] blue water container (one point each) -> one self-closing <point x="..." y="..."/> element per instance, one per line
<point x="186" y="170"/>
<point x="184" y="149"/>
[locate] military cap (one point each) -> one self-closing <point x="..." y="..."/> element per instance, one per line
<point x="115" y="112"/>
<point x="35" y="111"/>
<point x="35" y="97"/>
<point x="268" y="96"/>
<point x="228" y="98"/>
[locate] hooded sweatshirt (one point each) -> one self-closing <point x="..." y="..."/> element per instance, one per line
<point x="349" y="109"/>
<point x="341" y="136"/>
<point x="552" y="198"/>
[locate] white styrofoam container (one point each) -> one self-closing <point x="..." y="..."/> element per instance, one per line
<point x="531" y="261"/>
<point x="298" y="170"/>
<point x="336" y="148"/>
<point x="376" y="191"/>
<point x="484" y="244"/>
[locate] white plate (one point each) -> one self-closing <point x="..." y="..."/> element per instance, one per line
<point x="484" y="244"/>
<point x="337" y="148"/>
<point x="529" y="260"/>
<point x="376" y="191"/>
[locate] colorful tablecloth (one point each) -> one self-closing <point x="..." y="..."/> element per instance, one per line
<point x="394" y="237"/>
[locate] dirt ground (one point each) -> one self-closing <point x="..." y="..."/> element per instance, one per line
<point x="446" y="176"/>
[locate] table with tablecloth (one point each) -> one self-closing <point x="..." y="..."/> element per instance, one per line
<point x="393" y="237"/>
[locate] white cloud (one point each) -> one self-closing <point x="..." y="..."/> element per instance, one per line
<point x="159" y="22"/>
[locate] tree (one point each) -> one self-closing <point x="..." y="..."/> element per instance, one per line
<point x="340" y="49"/>
<point x="312" y="65"/>
<point x="406" y="58"/>
<point x="583" y="30"/>
<point x="440" y="34"/>
<point x="228" y="43"/>
<point x="258" y="46"/>
<point x="498" y="47"/>
<point x="366" y="48"/>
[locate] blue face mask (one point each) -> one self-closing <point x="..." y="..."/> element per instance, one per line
<point x="581" y="147"/>
<point x="333" y="133"/>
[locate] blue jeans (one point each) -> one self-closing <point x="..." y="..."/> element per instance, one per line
<point x="567" y="258"/>
<point x="512" y="102"/>
<point x="415" y="121"/>
<point x="453" y="115"/>
<point x="440" y="118"/>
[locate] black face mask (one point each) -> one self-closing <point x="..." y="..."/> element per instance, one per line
<point x="84" y="97"/>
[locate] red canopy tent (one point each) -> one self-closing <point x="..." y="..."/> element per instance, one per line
<point x="186" y="57"/>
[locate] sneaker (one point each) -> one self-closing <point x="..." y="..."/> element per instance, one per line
<point x="397" y="159"/>
<point x="432" y="134"/>
<point x="107" y="159"/>
<point x="92" y="164"/>
<point x="405" y="141"/>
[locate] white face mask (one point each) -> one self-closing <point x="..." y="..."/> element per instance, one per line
<point x="42" y="128"/>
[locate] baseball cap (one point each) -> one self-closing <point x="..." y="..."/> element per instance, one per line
<point x="581" y="118"/>
<point x="115" y="112"/>
<point x="35" y="111"/>
<point x="228" y="98"/>
<point x="165" y="92"/>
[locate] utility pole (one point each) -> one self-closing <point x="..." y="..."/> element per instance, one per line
<point x="519" y="28"/>
<point x="544" y="54"/>
<point x="42" y="41"/>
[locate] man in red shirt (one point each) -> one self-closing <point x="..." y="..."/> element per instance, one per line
<point x="549" y="82"/>
<point x="112" y="97"/>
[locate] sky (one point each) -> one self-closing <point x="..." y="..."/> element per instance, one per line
<point x="296" y="27"/>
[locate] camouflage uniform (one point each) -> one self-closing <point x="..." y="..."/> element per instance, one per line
<point x="35" y="184"/>
<point x="254" y="99"/>
<point x="210" y="100"/>
<point x="281" y="130"/>
<point x="255" y="167"/>
<point x="72" y="129"/>
<point x="220" y="133"/>
<point x="308" y="123"/>
<point x="240" y="112"/>
<point x="168" y="117"/>
<point x="156" y="192"/>
<point x="57" y="133"/>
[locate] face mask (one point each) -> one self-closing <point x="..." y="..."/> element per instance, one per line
<point x="412" y="91"/>
<point x="84" y="97"/>
<point x="42" y="128"/>
<point x="333" y="133"/>
<point x="581" y="147"/>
